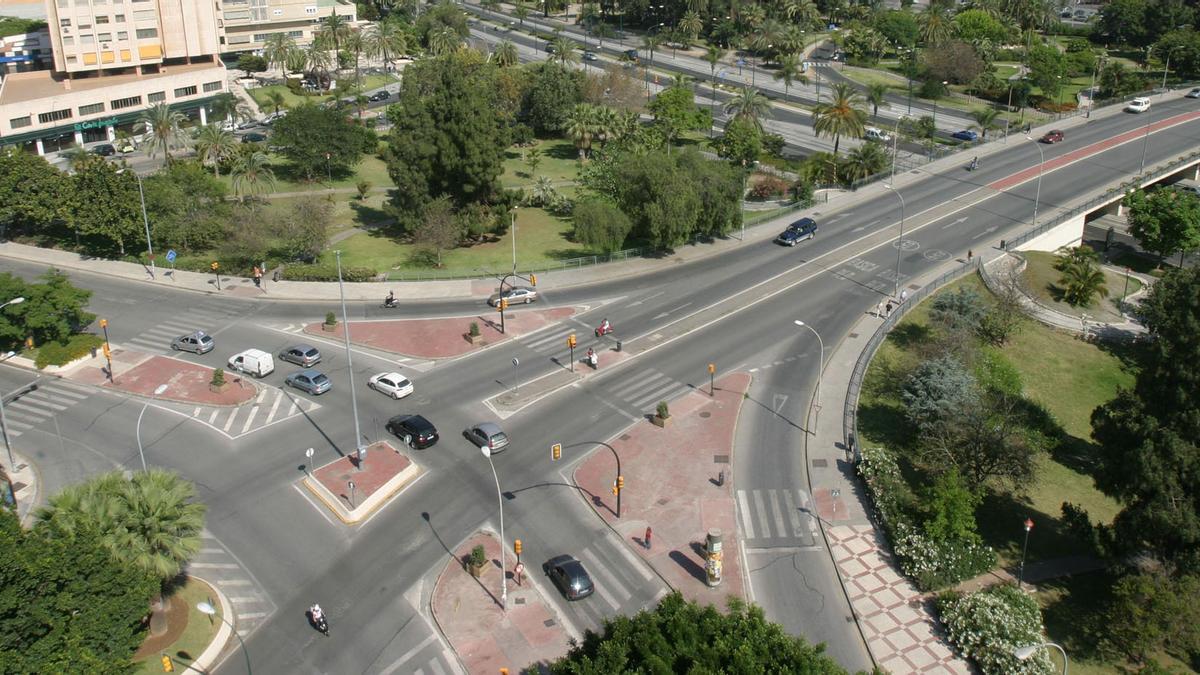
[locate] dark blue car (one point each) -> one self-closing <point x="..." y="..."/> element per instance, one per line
<point x="965" y="135"/>
<point x="805" y="228"/>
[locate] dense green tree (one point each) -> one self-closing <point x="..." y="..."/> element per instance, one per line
<point x="1164" y="221"/>
<point x="976" y="25"/>
<point x="552" y="94"/>
<point x="741" y="143"/>
<point x="1184" y="47"/>
<point x="600" y="225"/>
<point x="1081" y="277"/>
<point x="938" y="391"/>
<point x="250" y="63"/>
<point x="1149" y="435"/>
<point x="1153" y="611"/>
<point x="444" y="19"/>
<point x="438" y="229"/>
<point x="959" y="311"/>
<point x="53" y="309"/>
<point x="1047" y="67"/>
<point x="36" y="195"/>
<point x="675" y="111"/>
<point x="448" y="137"/>
<point x="866" y="160"/>
<point x="952" y="61"/>
<point x="719" y="186"/>
<point x="1123" y="21"/>
<point x="108" y="206"/>
<point x="302" y="230"/>
<point x="950" y="510"/>
<point x="186" y="207"/>
<point x="863" y="44"/>
<point x="67" y="606"/>
<point x="898" y="27"/>
<point x="1118" y="81"/>
<point x="659" y="198"/>
<point x="316" y="140"/>
<point x="681" y="637"/>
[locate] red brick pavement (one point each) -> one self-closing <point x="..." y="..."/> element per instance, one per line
<point x="442" y="338"/>
<point x="485" y="637"/>
<point x="670" y="485"/>
<point x="140" y="373"/>
<point x="383" y="463"/>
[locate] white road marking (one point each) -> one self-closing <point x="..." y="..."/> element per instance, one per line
<point x="275" y="407"/>
<point x="602" y="571"/>
<point x="761" y="511"/>
<point x="779" y="527"/>
<point x="407" y="655"/>
<point x="744" y="512"/>
<point x="228" y="423"/>
<point x="793" y="513"/>
<point x="250" y="418"/>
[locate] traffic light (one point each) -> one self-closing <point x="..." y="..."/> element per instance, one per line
<point x="712" y="368"/>
<point x="616" y="490"/>
<point x="517" y="546"/>
<point x="107" y="351"/>
<point x="104" y="323"/>
<point x="214" y="266"/>
<point x="168" y="667"/>
<point x="556" y="451"/>
<point x="571" y="341"/>
<point x="503" y="305"/>
<point x="620" y="482"/>
<point x="532" y="279"/>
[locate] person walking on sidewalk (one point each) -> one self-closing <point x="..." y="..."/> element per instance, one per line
<point x="879" y="309"/>
<point x="903" y="296"/>
<point x="258" y="276"/>
<point x="646" y="539"/>
<point x="518" y="573"/>
<point x="888" y="309"/>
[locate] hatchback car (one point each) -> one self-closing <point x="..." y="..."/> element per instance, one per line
<point x="569" y="575"/>
<point x="1138" y="105"/>
<point x="515" y="296"/>
<point x="487" y="434"/>
<point x="301" y="355"/>
<point x="198" y="342"/>
<point x="876" y="134"/>
<point x="965" y="135"/>
<point x="253" y="137"/>
<point x="1195" y="93"/>
<point x="104" y="150"/>
<point x="393" y="384"/>
<point x="590" y="56"/>
<point x="631" y="55"/>
<point x="312" y="381"/>
<point x="805" y="228"/>
<point x="381" y="95"/>
<point x="415" y="430"/>
<point x="1054" y="136"/>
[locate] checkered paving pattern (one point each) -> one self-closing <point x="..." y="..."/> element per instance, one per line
<point x="899" y="625"/>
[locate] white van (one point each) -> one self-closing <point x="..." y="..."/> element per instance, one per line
<point x="876" y="134"/>
<point x="1138" y="105"/>
<point x="254" y="361"/>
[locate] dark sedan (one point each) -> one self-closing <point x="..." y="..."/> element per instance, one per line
<point x="381" y="95"/>
<point x="965" y="135"/>
<point x="414" y="430"/>
<point x="568" y="574"/>
<point x="1054" y="136"/>
<point x="253" y="137"/>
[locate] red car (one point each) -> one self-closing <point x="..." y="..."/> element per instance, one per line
<point x="1055" y="136"/>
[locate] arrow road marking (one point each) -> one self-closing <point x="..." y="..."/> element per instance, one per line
<point x="779" y="400"/>
<point x="668" y="313"/>
<point x="955" y="222"/>
<point x="986" y="232"/>
<point x="651" y="297"/>
<point x="863" y="227"/>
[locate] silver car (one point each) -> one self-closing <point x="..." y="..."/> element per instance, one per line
<point x="198" y="342"/>
<point x="487" y="434"/>
<point x="301" y="355"/>
<point x="313" y="381"/>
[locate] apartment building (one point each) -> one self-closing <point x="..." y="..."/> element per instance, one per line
<point x="25" y="51"/>
<point x="247" y="23"/>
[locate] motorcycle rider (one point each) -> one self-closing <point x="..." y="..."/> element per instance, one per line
<point x="591" y="357"/>
<point x="390" y="300"/>
<point x="974" y="163"/>
<point x="318" y="618"/>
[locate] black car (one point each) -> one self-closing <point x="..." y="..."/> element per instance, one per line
<point x="254" y="137"/>
<point x="381" y="95"/>
<point x="631" y="55"/>
<point x="104" y="150"/>
<point x="568" y="574"/>
<point x="414" y="430"/>
<point x="805" y="228"/>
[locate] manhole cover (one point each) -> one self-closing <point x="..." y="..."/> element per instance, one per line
<point x="664" y="501"/>
<point x="519" y="601"/>
<point x="706" y="415"/>
<point x="548" y="623"/>
<point x="625" y="437"/>
<point x="820" y="463"/>
<point x="720" y="459"/>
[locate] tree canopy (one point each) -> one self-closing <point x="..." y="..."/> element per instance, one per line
<point x="1164" y="221"/>
<point x="317" y="140"/>
<point x="52" y="311"/>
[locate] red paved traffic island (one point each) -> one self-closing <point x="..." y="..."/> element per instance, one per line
<point x="385" y="473"/>
<point x="141" y="374"/>
<point x="482" y="634"/>
<point x="671" y="486"/>
<point x="444" y="337"/>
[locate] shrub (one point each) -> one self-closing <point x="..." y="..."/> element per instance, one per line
<point x="218" y="378"/>
<point x="987" y="626"/>
<point x="803" y="192"/>
<point x="363" y="187"/>
<point x="473" y="330"/>
<point x="59" y="354"/>
<point x="663" y="411"/>
<point x="330" y="319"/>
<point x="325" y="272"/>
<point x="767" y="187"/>
<point x="478" y="557"/>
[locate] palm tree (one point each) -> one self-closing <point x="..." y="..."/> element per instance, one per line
<point x="935" y="24"/>
<point x="317" y="60"/>
<point x="985" y="120"/>
<point x="607" y="123"/>
<point x="713" y="56"/>
<point x="227" y="107"/>
<point x="77" y="156"/>
<point x="386" y="41"/>
<point x="1082" y="280"/>
<point x="278" y="49"/>
<point x="543" y="191"/>
<point x="277" y="100"/>
<point x="252" y="175"/>
<point x="690" y="25"/>
<point x="356" y="44"/>
<point x="506" y="54"/>
<point x="866" y="160"/>
<point x="789" y="71"/>
<point x="876" y="94"/>
<point x="522" y="13"/>
<point x="443" y="41"/>
<point x="334" y="28"/>
<point x="564" y="50"/>
<point x="842" y="116"/>
<point x="581" y="127"/>
<point x="749" y="104"/>
<point x="162" y="124"/>
<point x="214" y="145"/>
<point x="804" y="13"/>
<point x="650" y="43"/>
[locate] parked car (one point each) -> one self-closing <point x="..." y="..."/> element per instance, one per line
<point x="877" y="134"/>
<point x="254" y="361"/>
<point x="254" y="137"/>
<point x="104" y="150"/>
<point x="248" y="124"/>
<point x="569" y="575"/>
<point x="1054" y="136"/>
<point x="301" y="355"/>
<point x="1195" y="93"/>
<point x="519" y="295"/>
<point x="125" y="146"/>
<point x="393" y="384"/>
<point x="312" y="381"/>
<point x="415" y="430"/>
<point x="590" y="56"/>
<point x="197" y="342"/>
<point x="1138" y="105"/>
<point x="805" y="228"/>
<point x="487" y="434"/>
<point x="631" y="55"/>
<point x="965" y="135"/>
<point x="381" y="95"/>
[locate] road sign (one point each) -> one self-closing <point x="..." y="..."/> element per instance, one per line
<point x="741" y="62"/>
<point x="171" y="255"/>
<point x="516" y="362"/>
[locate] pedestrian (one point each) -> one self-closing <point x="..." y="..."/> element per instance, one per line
<point x="970" y="254"/>
<point x="646" y="541"/>
<point x="903" y="296"/>
<point x="879" y="309"/>
<point x="518" y="572"/>
<point x="257" y="276"/>
<point x="889" y="308"/>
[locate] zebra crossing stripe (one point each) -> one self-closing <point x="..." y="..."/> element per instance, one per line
<point x="793" y="514"/>
<point x="658" y="394"/>
<point x="250" y="419"/>
<point x="762" y="512"/>
<point x="744" y="511"/>
<point x="275" y="407"/>
<point x="779" y="527"/>
<point x="602" y="571"/>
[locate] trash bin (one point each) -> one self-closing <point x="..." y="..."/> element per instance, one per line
<point x="618" y="345"/>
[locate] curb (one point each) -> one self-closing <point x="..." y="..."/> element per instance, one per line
<point x="210" y="656"/>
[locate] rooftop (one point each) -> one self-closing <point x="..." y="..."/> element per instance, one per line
<point x="38" y="84"/>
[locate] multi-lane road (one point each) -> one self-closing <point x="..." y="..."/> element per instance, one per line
<point x="374" y="579"/>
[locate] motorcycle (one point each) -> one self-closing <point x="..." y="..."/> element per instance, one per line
<point x="593" y="360"/>
<point x="319" y="622"/>
<point x="390" y="303"/>
<point x="604" y="329"/>
<point x="973" y="165"/>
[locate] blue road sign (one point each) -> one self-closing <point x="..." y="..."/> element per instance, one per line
<point x="171" y="255"/>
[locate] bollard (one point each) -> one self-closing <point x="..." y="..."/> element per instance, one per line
<point x="618" y="345"/>
<point x="721" y="478"/>
<point x="1001" y="244"/>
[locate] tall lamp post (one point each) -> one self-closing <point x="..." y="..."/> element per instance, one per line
<point x="487" y="452"/>
<point x="899" y="241"/>
<point x="1024" y="653"/>
<point x="138" y="432"/>
<point x="821" y="365"/>
<point x="207" y="608"/>
<point x="362" y="450"/>
<point x="145" y="219"/>
<point x="944" y="83"/>
<point x="514" y="237"/>
<point x="1024" y="548"/>
<point x="1041" y="161"/>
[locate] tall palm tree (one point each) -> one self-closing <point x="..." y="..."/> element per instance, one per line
<point x="748" y="104"/>
<point x="842" y="116"/>
<point x="386" y="41"/>
<point x="443" y="41"/>
<point x="985" y="120"/>
<point x="607" y="122"/>
<point x="935" y="24"/>
<point x="277" y="100"/>
<point x="876" y="94"/>
<point x="227" y="107"/>
<point x="252" y="175"/>
<point x="522" y="13"/>
<point x="789" y="71"/>
<point x="564" y="50"/>
<point x="356" y="44"/>
<point x="581" y="127"/>
<point x="334" y="28"/>
<point x="506" y="54"/>
<point x="650" y="43"/>
<point x="278" y="49"/>
<point x="713" y="55"/>
<point x="214" y="145"/>
<point x="317" y="59"/>
<point x="804" y="13"/>
<point x="162" y="124"/>
<point x="691" y="24"/>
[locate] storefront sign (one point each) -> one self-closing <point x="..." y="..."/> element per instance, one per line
<point x="95" y="124"/>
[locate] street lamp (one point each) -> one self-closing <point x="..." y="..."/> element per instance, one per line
<point x="944" y="83"/>
<point x="487" y="452"/>
<point x="1042" y="160"/>
<point x="362" y="450"/>
<point x="821" y="365"/>
<point x="1024" y="653"/>
<point x="145" y="219"/>
<point x="1024" y="548"/>
<point x="138" y="432"/>
<point x="207" y="608"/>
<point x="513" y="213"/>
<point x="900" y="241"/>
<point x="15" y="301"/>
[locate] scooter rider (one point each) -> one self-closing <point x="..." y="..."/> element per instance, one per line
<point x="591" y="357"/>
<point x="974" y="163"/>
<point x="390" y="300"/>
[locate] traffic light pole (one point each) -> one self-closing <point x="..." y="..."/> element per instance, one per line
<point x="107" y="348"/>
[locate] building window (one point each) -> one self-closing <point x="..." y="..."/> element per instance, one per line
<point x="104" y="37"/>
<point x="71" y="60"/>
<point x="62" y="4"/>
<point x="122" y="35"/>
<point x="101" y="19"/>
<point x="183" y="92"/>
<point x="157" y="97"/>
<point x="68" y="41"/>
<point x="85" y="26"/>
<point x="310" y="10"/>
<point x="64" y="23"/>
<point x="46" y="118"/>
<point x="126" y="102"/>
<point x="120" y="18"/>
<point x="144" y="15"/>
<point x="85" y="110"/>
<point x="87" y="39"/>
<point x="295" y="33"/>
<point x="145" y="33"/>
<point x="20" y="122"/>
<point x="212" y="86"/>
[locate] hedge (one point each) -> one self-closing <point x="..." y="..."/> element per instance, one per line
<point x="322" y="272"/>
<point x="58" y="354"/>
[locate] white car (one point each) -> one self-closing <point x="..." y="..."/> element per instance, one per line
<point x="1195" y="93"/>
<point x="1138" y="105"/>
<point x="876" y="134"/>
<point x="393" y="384"/>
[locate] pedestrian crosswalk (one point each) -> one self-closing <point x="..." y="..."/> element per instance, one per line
<point x="624" y="584"/>
<point x="157" y="339"/>
<point x="51" y="398"/>
<point x="772" y="518"/>
<point x="272" y="405"/>
<point x="644" y="388"/>
<point x="429" y="657"/>
<point x="553" y="341"/>
<point x="218" y="566"/>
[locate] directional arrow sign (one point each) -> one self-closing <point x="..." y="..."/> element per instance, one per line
<point x="956" y="222"/>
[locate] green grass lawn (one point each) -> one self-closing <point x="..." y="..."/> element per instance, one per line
<point x="559" y="162"/>
<point x="870" y="76"/>
<point x="200" y="630"/>
<point x="1041" y="280"/>
<point x="1005" y="71"/>
<point x="260" y="94"/>
<point x="371" y="168"/>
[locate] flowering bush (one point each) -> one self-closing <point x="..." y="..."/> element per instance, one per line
<point x="988" y="625"/>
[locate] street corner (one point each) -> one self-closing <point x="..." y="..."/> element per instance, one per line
<point x="185" y="382"/>
<point x="467" y="607"/>
<point x="355" y="489"/>
<point x="446" y="337"/>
